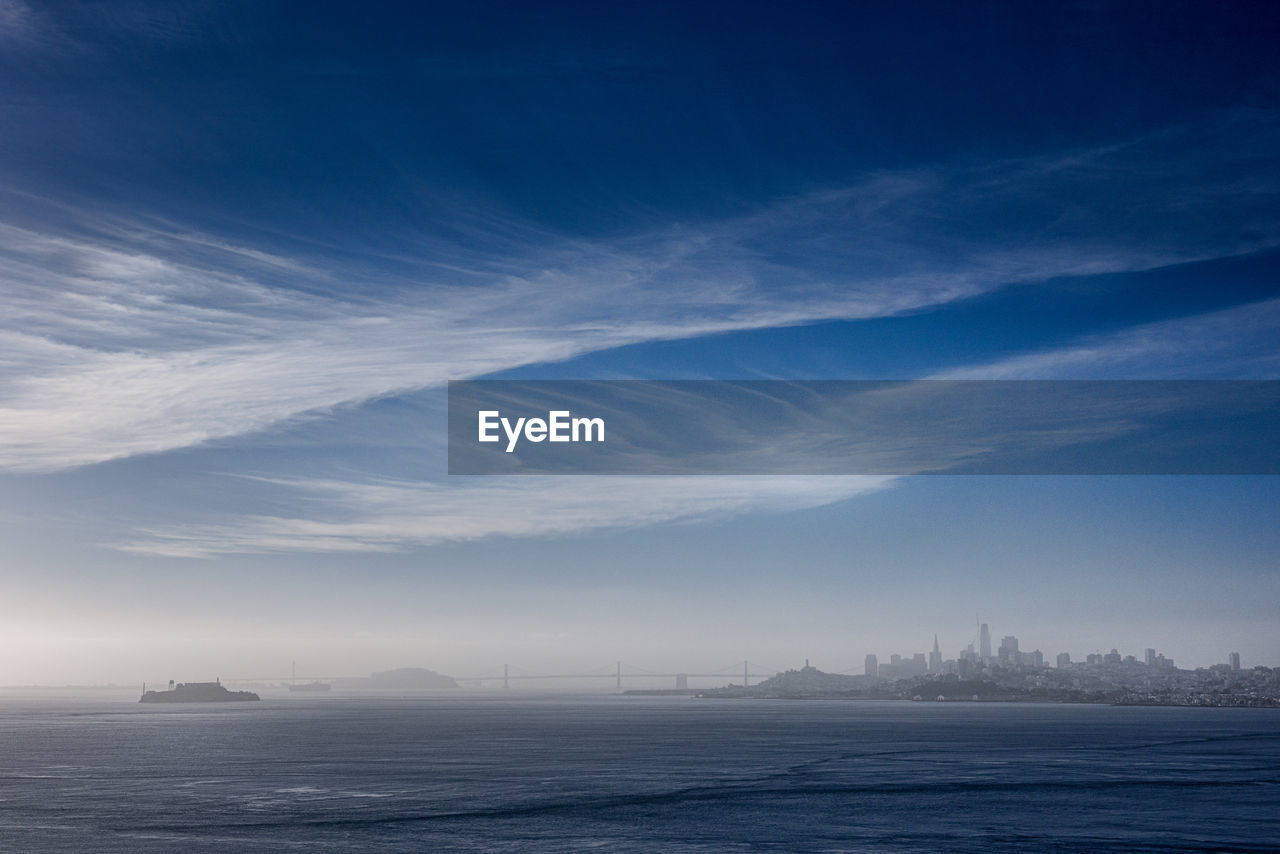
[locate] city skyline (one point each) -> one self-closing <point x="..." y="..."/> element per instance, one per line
<point x="896" y="665"/>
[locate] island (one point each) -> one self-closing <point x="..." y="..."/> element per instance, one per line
<point x="196" y="692"/>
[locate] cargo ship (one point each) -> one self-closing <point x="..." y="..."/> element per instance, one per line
<point x="196" y="692"/>
<point x="295" y="685"/>
<point x="310" y="686"/>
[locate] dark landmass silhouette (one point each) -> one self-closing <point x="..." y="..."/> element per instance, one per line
<point x="197" y="692"/>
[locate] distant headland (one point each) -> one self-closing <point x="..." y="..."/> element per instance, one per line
<point x="404" y="678"/>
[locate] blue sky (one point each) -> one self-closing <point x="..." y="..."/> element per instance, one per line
<point x="243" y="246"/>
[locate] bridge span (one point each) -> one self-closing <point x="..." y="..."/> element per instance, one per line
<point x="747" y="672"/>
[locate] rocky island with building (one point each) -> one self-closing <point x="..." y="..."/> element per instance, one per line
<point x="196" y="692"/>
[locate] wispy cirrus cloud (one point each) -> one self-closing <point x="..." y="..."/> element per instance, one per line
<point x="19" y="26"/>
<point x="135" y="342"/>
<point x="1233" y="343"/>
<point x="378" y="515"/>
<point x="383" y="516"/>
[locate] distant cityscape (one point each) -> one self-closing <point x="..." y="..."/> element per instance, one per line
<point x="971" y="662"/>
<point x="1007" y="673"/>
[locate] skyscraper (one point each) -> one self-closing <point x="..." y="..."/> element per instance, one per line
<point x="1009" y="650"/>
<point x="984" y="643"/>
<point x="1234" y="660"/>
<point x="872" y="666"/>
<point x="935" y="657"/>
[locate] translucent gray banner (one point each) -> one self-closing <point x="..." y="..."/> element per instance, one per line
<point x="864" y="427"/>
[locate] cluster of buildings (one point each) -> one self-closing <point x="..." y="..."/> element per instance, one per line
<point x="1008" y="674"/>
<point x="972" y="663"/>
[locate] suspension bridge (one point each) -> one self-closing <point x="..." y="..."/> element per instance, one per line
<point x="619" y="671"/>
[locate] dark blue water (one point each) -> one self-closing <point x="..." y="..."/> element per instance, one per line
<point x="628" y="774"/>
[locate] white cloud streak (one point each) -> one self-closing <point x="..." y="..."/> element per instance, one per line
<point x="113" y="349"/>
<point x="347" y="516"/>
<point x="388" y="516"/>
<point x="1233" y="343"/>
<point x="17" y="24"/>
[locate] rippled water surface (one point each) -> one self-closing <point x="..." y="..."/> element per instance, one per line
<point x="613" y="773"/>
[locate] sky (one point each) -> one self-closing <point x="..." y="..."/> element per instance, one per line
<point x="244" y="246"/>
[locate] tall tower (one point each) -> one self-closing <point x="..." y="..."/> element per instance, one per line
<point x="1009" y="650"/>
<point x="935" y="657"/>
<point x="984" y="643"/>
